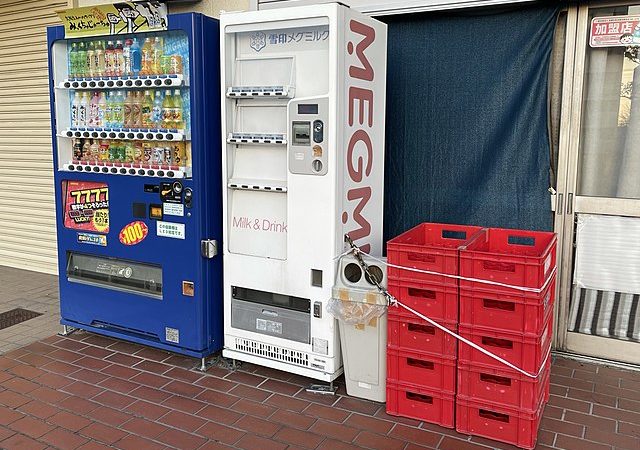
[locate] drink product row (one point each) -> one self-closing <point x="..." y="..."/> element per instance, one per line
<point x="101" y="151"/>
<point x="122" y="58"/>
<point x="128" y="109"/>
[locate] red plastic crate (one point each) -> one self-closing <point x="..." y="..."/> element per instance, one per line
<point x="416" y="368"/>
<point x="428" y="246"/>
<point x="408" y="332"/>
<point x="503" y="387"/>
<point x="420" y="403"/>
<point x="523" y="312"/>
<point x="525" y="352"/>
<point x="502" y="424"/>
<point x="514" y="257"/>
<point x="436" y="301"/>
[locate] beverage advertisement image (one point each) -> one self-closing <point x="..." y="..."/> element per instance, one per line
<point x="86" y="206"/>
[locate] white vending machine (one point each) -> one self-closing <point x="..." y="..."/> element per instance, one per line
<point x="303" y="124"/>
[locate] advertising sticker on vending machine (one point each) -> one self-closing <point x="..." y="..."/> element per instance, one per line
<point x="86" y="206"/>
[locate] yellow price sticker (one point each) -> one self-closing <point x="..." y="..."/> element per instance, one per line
<point x="101" y="220"/>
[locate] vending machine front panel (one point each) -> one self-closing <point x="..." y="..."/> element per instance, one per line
<point x="137" y="170"/>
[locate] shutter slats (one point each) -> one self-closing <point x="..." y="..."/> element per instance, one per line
<point x="27" y="208"/>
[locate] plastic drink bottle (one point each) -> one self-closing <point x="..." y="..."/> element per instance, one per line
<point x="177" y="112"/>
<point x="81" y="60"/>
<point x="98" y="59"/>
<point x="94" y="115"/>
<point x="156" y="114"/>
<point x="146" y="110"/>
<point x="167" y="110"/>
<point x="83" y="109"/>
<point x="156" y="55"/>
<point x="146" y="57"/>
<point x="135" y="56"/>
<point x="175" y="64"/>
<point x="126" y="57"/>
<point x="118" y="67"/>
<point x="128" y="109"/>
<point x="109" y="57"/>
<point x="73" y="60"/>
<point x="118" y="110"/>
<point x="75" y="106"/>
<point x="91" y="68"/>
<point x="102" y="109"/>
<point x="108" y="111"/>
<point x="136" y="110"/>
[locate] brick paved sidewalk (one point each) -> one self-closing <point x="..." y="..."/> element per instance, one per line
<point x="90" y="392"/>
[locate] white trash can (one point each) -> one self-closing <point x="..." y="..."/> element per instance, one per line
<point x="362" y="319"/>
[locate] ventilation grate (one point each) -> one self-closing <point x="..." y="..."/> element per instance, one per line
<point x="16" y="316"/>
<point x="272" y="352"/>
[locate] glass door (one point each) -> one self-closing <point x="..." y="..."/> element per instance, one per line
<point x="599" y="219"/>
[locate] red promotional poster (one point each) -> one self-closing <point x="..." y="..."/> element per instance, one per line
<point x="615" y="31"/>
<point x="134" y="233"/>
<point x="86" y="206"/>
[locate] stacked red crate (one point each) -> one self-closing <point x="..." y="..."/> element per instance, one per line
<point x="421" y="359"/>
<point x="493" y="400"/>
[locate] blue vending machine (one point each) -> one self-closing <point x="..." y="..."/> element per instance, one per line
<point x="136" y="152"/>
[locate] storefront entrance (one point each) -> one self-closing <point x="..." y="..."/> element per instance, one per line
<point x="598" y="189"/>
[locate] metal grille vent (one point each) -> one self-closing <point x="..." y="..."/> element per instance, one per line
<point x="272" y="352"/>
<point x="16" y="316"/>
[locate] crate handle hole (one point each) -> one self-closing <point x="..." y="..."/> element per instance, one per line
<point x="421" y="364"/>
<point x="419" y="397"/>
<point x="495" y="379"/>
<point x="522" y="240"/>
<point x="494" y="416"/>
<point x="451" y="234"/>
<point x="413" y="292"/>
<point x="426" y="329"/>
<point x="498" y="266"/>
<point x="421" y="257"/>
<point x="494" y="342"/>
<point x="497" y="304"/>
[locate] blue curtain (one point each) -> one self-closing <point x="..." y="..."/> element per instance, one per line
<point x="466" y="128"/>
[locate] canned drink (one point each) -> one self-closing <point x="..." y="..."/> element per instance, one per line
<point x="138" y="152"/>
<point x="114" y="152"/>
<point x="77" y="149"/>
<point x="103" y="151"/>
<point x="179" y="157"/>
<point x="168" y="155"/>
<point x="165" y="64"/>
<point x="146" y="152"/>
<point x="175" y="64"/>
<point x="157" y="156"/>
<point x="129" y="152"/>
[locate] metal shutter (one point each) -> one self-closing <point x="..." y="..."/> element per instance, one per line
<point x="27" y="207"/>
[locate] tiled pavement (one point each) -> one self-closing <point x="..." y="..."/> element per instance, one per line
<point x="91" y="392"/>
<point x="29" y="290"/>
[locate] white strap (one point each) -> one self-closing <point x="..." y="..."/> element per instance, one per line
<point x="457" y="277"/>
<point x="476" y="346"/>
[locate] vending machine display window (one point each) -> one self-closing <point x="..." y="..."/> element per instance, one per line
<point x="124" y="105"/>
